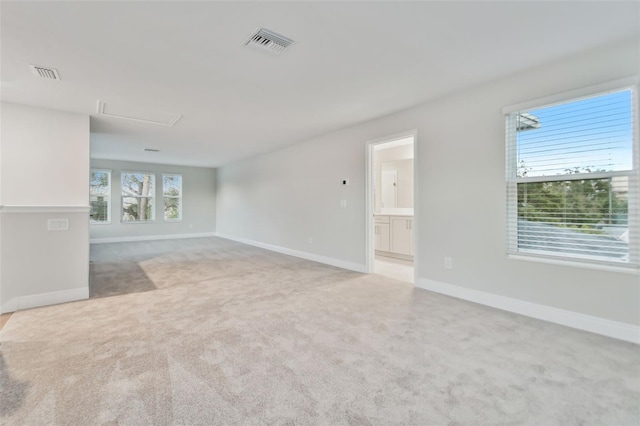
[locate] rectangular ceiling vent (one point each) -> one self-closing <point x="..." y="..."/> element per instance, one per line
<point x="269" y="41"/>
<point x="44" y="72"/>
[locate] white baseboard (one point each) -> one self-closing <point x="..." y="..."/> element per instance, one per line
<point x="615" y="329"/>
<point x="45" y="299"/>
<point x="358" y="267"/>
<point x="150" y="237"/>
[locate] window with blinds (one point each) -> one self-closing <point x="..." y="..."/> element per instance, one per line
<point x="572" y="180"/>
<point x="100" y="196"/>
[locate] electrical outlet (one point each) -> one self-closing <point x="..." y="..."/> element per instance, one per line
<point x="448" y="263"/>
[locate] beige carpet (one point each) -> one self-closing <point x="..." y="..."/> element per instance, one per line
<point x="217" y="333"/>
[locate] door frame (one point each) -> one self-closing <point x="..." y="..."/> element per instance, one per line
<point x="370" y="208"/>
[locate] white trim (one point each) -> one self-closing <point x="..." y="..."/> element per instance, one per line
<point x="150" y="238"/>
<point x="415" y="225"/>
<point x="358" y="267"/>
<point x="174" y="117"/>
<point x="564" y="261"/>
<point x="369" y="203"/>
<point x="45" y="209"/>
<point x="369" y="244"/>
<point x="633" y="206"/>
<point x="45" y="299"/>
<point x="595" y="90"/>
<point x="137" y="221"/>
<point x="593" y="324"/>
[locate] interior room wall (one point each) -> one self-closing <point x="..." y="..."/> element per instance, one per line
<point x="45" y="157"/>
<point x="45" y="175"/>
<point x="292" y="198"/>
<point x="198" y="201"/>
<point x="284" y="197"/>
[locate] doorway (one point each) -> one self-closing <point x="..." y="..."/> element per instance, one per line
<point x="391" y="224"/>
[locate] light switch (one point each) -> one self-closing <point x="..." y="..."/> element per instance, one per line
<point x="58" y="224"/>
<point x="343" y="203"/>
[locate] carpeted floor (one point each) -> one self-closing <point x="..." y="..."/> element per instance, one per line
<point x="211" y="332"/>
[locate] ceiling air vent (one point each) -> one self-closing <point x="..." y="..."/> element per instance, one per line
<point x="268" y="40"/>
<point x="44" y="72"/>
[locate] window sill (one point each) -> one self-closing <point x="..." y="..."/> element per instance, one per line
<point x="173" y="220"/>
<point x="99" y="223"/>
<point x="134" y="222"/>
<point x="574" y="264"/>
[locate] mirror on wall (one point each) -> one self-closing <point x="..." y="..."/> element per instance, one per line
<point x="397" y="184"/>
<point x="393" y="177"/>
<point x="389" y="187"/>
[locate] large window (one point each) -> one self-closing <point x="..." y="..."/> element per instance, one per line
<point x="172" y="194"/>
<point x="138" y="190"/>
<point x="572" y="180"/>
<point x="100" y="196"/>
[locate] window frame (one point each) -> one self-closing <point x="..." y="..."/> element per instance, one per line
<point x="512" y="180"/>
<point x="152" y="197"/>
<point x="109" y="203"/>
<point x="180" y="197"/>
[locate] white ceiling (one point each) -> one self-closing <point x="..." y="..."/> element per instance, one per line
<point x="351" y="62"/>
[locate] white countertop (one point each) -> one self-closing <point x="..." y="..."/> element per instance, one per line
<point x="395" y="212"/>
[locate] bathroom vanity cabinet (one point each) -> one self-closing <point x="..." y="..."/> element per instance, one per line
<point x="381" y="232"/>
<point x="394" y="236"/>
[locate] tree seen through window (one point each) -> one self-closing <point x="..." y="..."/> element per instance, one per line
<point x="137" y="197"/>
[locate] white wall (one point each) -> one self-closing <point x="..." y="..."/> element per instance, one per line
<point x="283" y="197"/>
<point x="289" y="196"/>
<point x="198" y="201"/>
<point x="44" y="157"/>
<point x="44" y="174"/>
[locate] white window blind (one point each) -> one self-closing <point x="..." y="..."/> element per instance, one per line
<point x="572" y="180"/>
